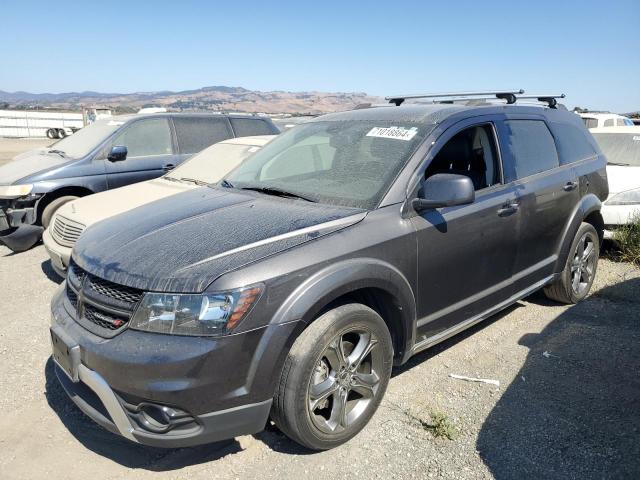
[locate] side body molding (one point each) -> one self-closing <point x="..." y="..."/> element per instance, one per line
<point x="345" y="277"/>
<point x="588" y="204"/>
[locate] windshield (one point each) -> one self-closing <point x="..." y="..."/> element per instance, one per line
<point x="346" y="163"/>
<point x="213" y="163"/>
<point x="620" y="148"/>
<point x="87" y="138"/>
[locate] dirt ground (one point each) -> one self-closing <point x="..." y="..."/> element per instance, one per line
<point x="568" y="404"/>
<point x="10" y="147"/>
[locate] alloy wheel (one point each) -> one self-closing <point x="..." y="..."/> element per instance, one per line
<point x="345" y="381"/>
<point x="583" y="265"/>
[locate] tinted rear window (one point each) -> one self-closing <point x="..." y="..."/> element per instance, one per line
<point x="532" y="147"/>
<point x="245" y="127"/>
<point x="197" y="133"/>
<point x="572" y="142"/>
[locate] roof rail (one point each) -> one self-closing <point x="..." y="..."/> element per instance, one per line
<point x="551" y="100"/>
<point x="508" y="95"/>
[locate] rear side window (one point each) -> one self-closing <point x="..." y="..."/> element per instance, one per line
<point x="532" y="147"/>
<point x="590" y="122"/>
<point x="572" y="142"/>
<point x="197" y="133"/>
<point x="146" y="137"/>
<point x="245" y="127"/>
<point x="608" y="122"/>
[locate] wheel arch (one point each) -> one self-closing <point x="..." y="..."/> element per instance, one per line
<point x="49" y="197"/>
<point x="587" y="210"/>
<point x="369" y="281"/>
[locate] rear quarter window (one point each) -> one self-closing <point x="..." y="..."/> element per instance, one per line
<point x="572" y="142"/>
<point x="532" y="147"/>
<point x="245" y="127"/>
<point x="197" y="133"/>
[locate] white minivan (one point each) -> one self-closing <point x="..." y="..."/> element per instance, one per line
<point x="621" y="146"/>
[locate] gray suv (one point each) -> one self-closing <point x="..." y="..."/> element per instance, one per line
<point x="342" y="248"/>
<point x="107" y="154"/>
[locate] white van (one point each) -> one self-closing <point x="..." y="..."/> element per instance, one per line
<point x="605" y="120"/>
<point x="621" y="146"/>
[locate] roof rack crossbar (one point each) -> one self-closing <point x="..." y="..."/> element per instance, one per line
<point x="508" y="95"/>
<point x="551" y="100"/>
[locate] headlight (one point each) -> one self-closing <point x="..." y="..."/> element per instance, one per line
<point x="630" y="197"/>
<point x="15" y="191"/>
<point x="194" y="314"/>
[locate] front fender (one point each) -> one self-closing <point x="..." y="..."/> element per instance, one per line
<point x="336" y="280"/>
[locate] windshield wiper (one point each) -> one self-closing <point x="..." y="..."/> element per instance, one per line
<point x="226" y="183"/>
<point x="619" y="164"/>
<point x="59" y="152"/>
<point x="278" y="192"/>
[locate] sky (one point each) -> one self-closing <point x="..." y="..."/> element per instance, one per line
<point x="588" y="49"/>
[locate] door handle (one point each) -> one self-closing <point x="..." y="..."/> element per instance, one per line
<point x="168" y="166"/>
<point x="508" y="209"/>
<point x="570" y="186"/>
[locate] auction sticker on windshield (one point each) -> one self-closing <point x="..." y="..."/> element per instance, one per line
<point x="397" y="133"/>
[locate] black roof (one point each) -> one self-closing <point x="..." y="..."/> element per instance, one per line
<point x="430" y="113"/>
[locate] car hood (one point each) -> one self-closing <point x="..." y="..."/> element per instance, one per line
<point x="183" y="243"/>
<point x="622" y="178"/>
<point x="94" y="208"/>
<point x="28" y="163"/>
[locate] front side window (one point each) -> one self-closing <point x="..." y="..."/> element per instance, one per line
<point x="197" y="133"/>
<point x="146" y="137"/>
<point x="471" y="152"/>
<point x="347" y="163"/>
<point x="532" y="147"/>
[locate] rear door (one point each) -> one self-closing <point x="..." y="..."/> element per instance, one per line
<point x="150" y="152"/>
<point x="195" y="133"/>
<point x="548" y="194"/>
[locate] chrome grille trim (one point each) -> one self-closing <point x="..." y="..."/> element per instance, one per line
<point x="65" y="231"/>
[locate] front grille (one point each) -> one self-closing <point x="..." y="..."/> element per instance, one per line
<point x="102" y="307"/>
<point x="112" y="290"/>
<point x="66" y="231"/>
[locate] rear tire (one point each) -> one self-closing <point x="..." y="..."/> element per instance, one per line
<point x="50" y="210"/>
<point x="61" y="133"/>
<point x="51" y="134"/>
<point x="579" y="272"/>
<point x="334" y="377"/>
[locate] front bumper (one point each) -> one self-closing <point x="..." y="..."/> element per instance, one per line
<point x="59" y="254"/>
<point x="218" y="387"/>
<point x="12" y="216"/>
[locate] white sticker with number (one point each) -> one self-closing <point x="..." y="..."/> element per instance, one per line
<point x="397" y="133"/>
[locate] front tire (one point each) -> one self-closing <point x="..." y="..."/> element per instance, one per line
<point x="579" y="272"/>
<point x="334" y="377"/>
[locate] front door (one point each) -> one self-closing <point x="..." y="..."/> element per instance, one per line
<point x="466" y="254"/>
<point x="150" y="152"/>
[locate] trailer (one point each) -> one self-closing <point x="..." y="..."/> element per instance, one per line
<point x="30" y="123"/>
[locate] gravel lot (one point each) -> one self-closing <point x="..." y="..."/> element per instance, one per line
<point x="10" y="147"/>
<point x="568" y="404"/>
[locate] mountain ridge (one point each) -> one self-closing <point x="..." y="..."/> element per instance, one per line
<point x="209" y="98"/>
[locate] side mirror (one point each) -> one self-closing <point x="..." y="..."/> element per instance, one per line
<point x="444" y="190"/>
<point x="117" y="154"/>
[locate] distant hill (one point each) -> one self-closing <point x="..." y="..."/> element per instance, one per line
<point x="206" y="98"/>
